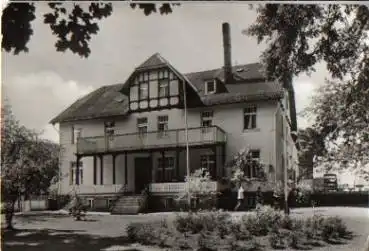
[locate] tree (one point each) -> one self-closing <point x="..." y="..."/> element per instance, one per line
<point x="311" y="146"/>
<point x="29" y="165"/>
<point x="299" y="37"/>
<point x="241" y="166"/>
<point x="198" y="187"/>
<point x="72" y="24"/>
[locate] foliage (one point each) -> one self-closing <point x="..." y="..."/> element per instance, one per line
<point x="197" y="222"/>
<point x="261" y="223"/>
<point x="29" y="165"/>
<point x="311" y="146"/>
<point x="154" y="233"/>
<point x="216" y="230"/>
<point x="301" y="36"/>
<point x="78" y="207"/>
<point x="241" y="163"/>
<point x="332" y="228"/>
<point x="198" y="187"/>
<point x="72" y="24"/>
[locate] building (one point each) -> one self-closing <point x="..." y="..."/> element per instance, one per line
<point x="129" y="136"/>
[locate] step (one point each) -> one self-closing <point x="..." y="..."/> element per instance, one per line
<point x="127" y="205"/>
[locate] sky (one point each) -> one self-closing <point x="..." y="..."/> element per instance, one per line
<point x="41" y="83"/>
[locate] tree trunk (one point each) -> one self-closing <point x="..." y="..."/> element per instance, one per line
<point x="9" y="213"/>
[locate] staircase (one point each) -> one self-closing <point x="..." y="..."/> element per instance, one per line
<point x="129" y="204"/>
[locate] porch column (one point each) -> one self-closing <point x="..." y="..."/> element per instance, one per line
<point x="214" y="149"/>
<point x="177" y="164"/>
<point x="101" y="169"/>
<point x="125" y="170"/>
<point x="95" y="170"/>
<point x="224" y="160"/>
<point x="163" y="165"/>
<point x="77" y="169"/>
<point x="152" y="167"/>
<point x="113" y="159"/>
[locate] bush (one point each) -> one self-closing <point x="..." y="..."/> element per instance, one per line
<point x="276" y="239"/>
<point x="156" y="233"/>
<point x="333" y="227"/>
<point x="197" y="222"/>
<point x="266" y="218"/>
<point x="295" y="239"/>
<point x="213" y="241"/>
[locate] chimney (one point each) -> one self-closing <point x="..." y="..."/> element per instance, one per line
<point x="228" y="77"/>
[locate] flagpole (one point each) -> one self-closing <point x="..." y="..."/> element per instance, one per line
<point x="187" y="147"/>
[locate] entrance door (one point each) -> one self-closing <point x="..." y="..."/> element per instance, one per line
<point x="143" y="168"/>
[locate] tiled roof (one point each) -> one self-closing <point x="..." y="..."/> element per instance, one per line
<point x="109" y="101"/>
<point x="245" y="92"/>
<point x="103" y="102"/>
<point x="154" y="61"/>
<point x="244" y="73"/>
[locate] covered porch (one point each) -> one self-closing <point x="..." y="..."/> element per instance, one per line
<point x="161" y="168"/>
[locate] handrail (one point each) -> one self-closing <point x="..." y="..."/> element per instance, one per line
<point x="149" y="132"/>
<point x="171" y="137"/>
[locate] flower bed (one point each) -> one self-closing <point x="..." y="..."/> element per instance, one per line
<point x="263" y="230"/>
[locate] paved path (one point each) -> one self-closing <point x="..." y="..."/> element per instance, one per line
<point x="107" y="232"/>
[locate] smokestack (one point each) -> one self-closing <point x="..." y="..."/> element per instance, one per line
<point x="227" y="53"/>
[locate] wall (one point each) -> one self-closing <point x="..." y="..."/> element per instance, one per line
<point x="227" y="117"/>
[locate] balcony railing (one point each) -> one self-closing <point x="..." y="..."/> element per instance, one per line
<point x="150" y="140"/>
<point x="179" y="187"/>
<point x="96" y="189"/>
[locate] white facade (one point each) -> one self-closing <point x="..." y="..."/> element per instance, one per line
<point x="271" y="136"/>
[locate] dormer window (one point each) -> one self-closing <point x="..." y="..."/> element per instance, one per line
<point x="210" y="87"/>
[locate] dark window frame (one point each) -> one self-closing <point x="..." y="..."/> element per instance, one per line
<point x="250" y="117"/>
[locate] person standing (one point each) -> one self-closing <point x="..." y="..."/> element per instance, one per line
<point x="240" y="197"/>
<point x="259" y="197"/>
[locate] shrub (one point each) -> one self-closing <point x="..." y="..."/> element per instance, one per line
<point x="197" y="222"/>
<point x="276" y="239"/>
<point x="333" y="227"/>
<point x="295" y="239"/>
<point x="156" y="233"/>
<point x="266" y="218"/>
<point x="286" y="222"/>
<point x="213" y="241"/>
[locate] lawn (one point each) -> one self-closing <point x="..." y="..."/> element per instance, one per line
<point x="108" y="232"/>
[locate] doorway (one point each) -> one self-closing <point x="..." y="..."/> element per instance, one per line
<point x="143" y="167"/>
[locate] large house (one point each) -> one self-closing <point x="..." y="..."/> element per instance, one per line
<point x="123" y="138"/>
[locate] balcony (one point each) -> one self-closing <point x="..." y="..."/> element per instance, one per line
<point x="150" y="140"/>
<point x="99" y="189"/>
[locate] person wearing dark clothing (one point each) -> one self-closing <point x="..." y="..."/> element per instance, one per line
<point x="259" y="197"/>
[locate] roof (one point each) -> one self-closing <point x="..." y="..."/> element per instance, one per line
<point x="109" y="101"/>
<point x="104" y="102"/>
<point x="154" y="61"/>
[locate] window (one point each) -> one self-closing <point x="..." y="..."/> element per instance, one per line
<point x="254" y="158"/>
<point x="165" y="169"/>
<point x="207" y="161"/>
<point x="206" y="120"/>
<point x="249" y="118"/>
<point x="109" y="128"/>
<point x="210" y="87"/>
<point x="143" y="91"/>
<point x="76" y="133"/>
<point x="163" y="88"/>
<point x="73" y="170"/>
<point x="162" y="125"/>
<point x="142" y="126"/>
